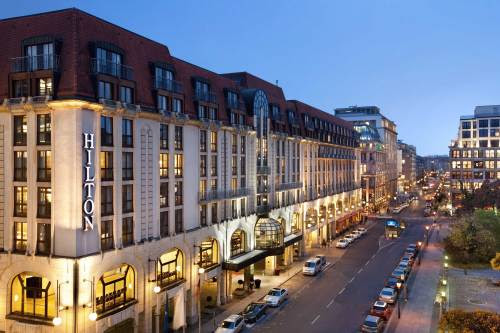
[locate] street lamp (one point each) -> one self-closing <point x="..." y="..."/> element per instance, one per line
<point x="201" y="271"/>
<point x="427" y="234"/>
<point x="398" y="284"/>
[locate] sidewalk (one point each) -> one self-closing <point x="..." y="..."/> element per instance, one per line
<point x="238" y="305"/>
<point x="417" y="313"/>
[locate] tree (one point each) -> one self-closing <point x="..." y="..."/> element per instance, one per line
<point x="476" y="321"/>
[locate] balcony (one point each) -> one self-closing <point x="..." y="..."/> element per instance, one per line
<point x="236" y="105"/>
<point x="241" y="192"/>
<point x="205" y="96"/>
<point x="168" y="85"/>
<point x="100" y="66"/>
<point x="262" y="209"/>
<point x="288" y="186"/>
<point x="35" y="63"/>
<point x="262" y="189"/>
<point x="263" y="170"/>
<point x="210" y="195"/>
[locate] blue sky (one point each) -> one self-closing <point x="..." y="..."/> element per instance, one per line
<point x="424" y="63"/>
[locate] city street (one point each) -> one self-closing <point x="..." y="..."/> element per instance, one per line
<point x="338" y="299"/>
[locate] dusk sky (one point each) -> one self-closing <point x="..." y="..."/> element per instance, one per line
<point x="424" y="64"/>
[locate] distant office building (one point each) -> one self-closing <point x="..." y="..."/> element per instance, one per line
<point x="420" y="166"/>
<point x="388" y="135"/>
<point x="440" y="163"/>
<point x="408" y="165"/>
<point x="476" y="151"/>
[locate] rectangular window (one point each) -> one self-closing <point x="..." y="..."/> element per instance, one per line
<point x="213" y="185"/>
<point x="213" y="165"/>
<point x="163" y="194"/>
<point x="164" y="165"/>
<point x="465" y="134"/>
<point x="43" y="129"/>
<point x="105" y="90"/>
<point x="178" y="165"/>
<point x="234" y="144"/>
<point x="127" y="136"/>
<point x="177" y="105"/>
<point x="44" y="86"/>
<point x="20" y="88"/>
<point x="243" y="209"/>
<point x="495" y="122"/>
<point x="179" y="223"/>
<point x="20" y="130"/>
<point x="126" y="95"/>
<point x="214" y="213"/>
<point x="202" y="112"/>
<point x="483" y="123"/>
<point x="20" y="201"/>
<point x="212" y="113"/>
<point x="203" y="165"/>
<point x="178" y="193"/>
<point x="127" y="166"/>
<point x="162" y="102"/>
<point x="44" y="202"/>
<point x="243" y="169"/>
<point x="43" y="238"/>
<point x="127" y="198"/>
<point x="106" y="200"/>
<point x="203" y="141"/>
<point x="164" y="224"/>
<point x="128" y="231"/>
<point x="44" y="159"/>
<point x="20" y="236"/>
<point x="107" y="235"/>
<point x="178" y="138"/>
<point x="483" y="133"/>
<point x="106" y="131"/>
<point x="106" y="164"/>
<point x="234" y="209"/>
<point x="213" y="142"/>
<point x="203" y="215"/>
<point x="163" y="136"/>
<point x="20" y="166"/>
<point x="234" y="165"/>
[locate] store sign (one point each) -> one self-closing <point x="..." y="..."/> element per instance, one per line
<point x="88" y="182"/>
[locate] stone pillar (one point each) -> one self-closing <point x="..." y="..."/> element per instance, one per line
<point x="270" y="265"/>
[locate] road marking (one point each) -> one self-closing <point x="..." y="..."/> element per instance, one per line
<point x="352" y="279"/>
<point x="331" y="302"/>
<point x="367" y="262"/>
<point x="373" y="256"/>
<point x="360" y="270"/>
<point x="340" y="292"/>
<point x="317" y="317"/>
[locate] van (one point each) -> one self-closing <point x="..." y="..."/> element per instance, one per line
<point x="322" y="261"/>
<point x="311" y="267"/>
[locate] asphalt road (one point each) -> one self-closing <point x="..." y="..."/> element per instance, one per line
<point x="338" y="299"/>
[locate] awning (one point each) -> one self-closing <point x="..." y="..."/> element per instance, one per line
<point x="244" y="260"/>
<point x="291" y="239"/>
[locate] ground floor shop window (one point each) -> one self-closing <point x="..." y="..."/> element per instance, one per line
<point x="170" y="267"/>
<point x="32" y="296"/>
<point x="238" y="243"/>
<point x="115" y="288"/>
<point x="209" y="253"/>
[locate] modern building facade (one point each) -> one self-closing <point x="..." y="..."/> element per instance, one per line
<point x="474" y="155"/>
<point x="439" y="163"/>
<point x="420" y="166"/>
<point x="408" y="167"/>
<point x="133" y="179"/>
<point x="387" y="133"/>
<point x="373" y="173"/>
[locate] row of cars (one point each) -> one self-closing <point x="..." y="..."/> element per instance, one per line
<point x="253" y="311"/>
<point x="350" y="238"/>
<point x="381" y="310"/>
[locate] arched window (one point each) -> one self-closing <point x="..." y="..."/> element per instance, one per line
<point x="115" y="288"/>
<point x="238" y="243"/>
<point x="209" y="253"/>
<point x="268" y="234"/>
<point x="32" y="296"/>
<point x="296" y="223"/>
<point x="170" y="267"/>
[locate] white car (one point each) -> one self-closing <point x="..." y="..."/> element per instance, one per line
<point x="356" y="234"/>
<point x="232" y="324"/>
<point x="342" y="243"/>
<point x="362" y="230"/>
<point x="349" y="238"/>
<point x="276" y="296"/>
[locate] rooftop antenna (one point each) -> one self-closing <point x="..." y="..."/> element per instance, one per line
<point x="276" y="82"/>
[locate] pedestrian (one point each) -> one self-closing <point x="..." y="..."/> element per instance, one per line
<point x="323" y="243"/>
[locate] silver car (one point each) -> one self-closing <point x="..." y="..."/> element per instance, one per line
<point x="276" y="296"/>
<point x="387" y="295"/>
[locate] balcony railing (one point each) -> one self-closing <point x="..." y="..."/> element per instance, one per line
<point x="263" y="189"/>
<point x="167" y="84"/>
<point x="35" y="63"/>
<point x="288" y="186"/>
<point x="205" y="96"/>
<point x="237" y="105"/>
<point x="263" y="170"/>
<point x="262" y="209"/>
<point x="210" y="195"/>
<point x="241" y="192"/>
<point x="111" y="68"/>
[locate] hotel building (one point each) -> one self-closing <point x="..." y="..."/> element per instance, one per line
<point x="475" y="154"/>
<point x="408" y="167"/>
<point x="133" y="180"/>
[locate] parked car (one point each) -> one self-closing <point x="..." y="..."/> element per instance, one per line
<point x="342" y="243"/>
<point x="411" y="249"/>
<point x="372" y="324"/>
<point x="254" y="311"/>
<point x="415" y="247"/>
<point x="387" y="295"/>
<point x="311" y="267"/>
<point x="391" y="282"/>
<point x="403" y="265"/>
<point x="349" y="238"/>
<point x="232" y="324"/>
<point x="407" y="258"/>
<point x="381" y="309"/>
<point x="322" y="261"/>
<point x="362" y="230"/>
<point x="276" y="296"/>
<point x="356" y="234"/>
<point x="399" y="273"/>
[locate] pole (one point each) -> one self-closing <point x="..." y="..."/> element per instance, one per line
<point x="399" y="309"/>
<point x="199" y="303"/>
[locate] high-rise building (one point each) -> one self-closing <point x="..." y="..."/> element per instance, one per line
<point x="388" y="135"/>
<point x="132" y="179"/>
<point x="407" y="167"/>
<point x="474" y="155"/>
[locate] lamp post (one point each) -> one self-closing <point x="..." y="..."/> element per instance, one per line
<point x="404" y="287"/>
<point x="420" y="251"/>
<point x="398" y="284"/>
<point x="201" y="271"/>
<point x="427" y="235"/>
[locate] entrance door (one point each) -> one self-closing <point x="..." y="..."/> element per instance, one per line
<point x="126" y="326"/>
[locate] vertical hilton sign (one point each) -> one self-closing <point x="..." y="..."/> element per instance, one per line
<point x="88" y="182"/>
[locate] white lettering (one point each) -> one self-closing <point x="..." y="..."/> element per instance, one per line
<point x="88" y="223"/>
<point x="88" y="187"/>
<point x="88" y="207"/>
<point x="88" y="183"/>
<point x="88" y="140"/>
<point x="87" y="174"/>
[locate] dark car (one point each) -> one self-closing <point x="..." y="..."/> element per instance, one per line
<point x="391" y="282"/>
<point x="372" y="324"/>
<point x="254" y="311"/>
<point x="381" y="309"/>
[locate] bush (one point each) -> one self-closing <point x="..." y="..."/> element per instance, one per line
<point x="476" y="321"/>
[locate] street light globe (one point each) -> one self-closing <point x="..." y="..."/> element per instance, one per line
<point x="445" y="257"/>
<point x="57" y="321"/>
<point x="201" y="270"/>
<point x="444" y="282"/>
<point x="443" y="293"/>
<point x="156" y="289"/>
<point x="93" y="316"/>
<point x="419" y="244"/>
<point x="427" y="227"/>
<point x="398" y="284"/>
<point x="446" y="265"/>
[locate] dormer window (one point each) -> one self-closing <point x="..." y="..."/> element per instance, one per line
<point x="108" y="62"/>
<point x="40" y="56"/>
<point x="232" y="100"/>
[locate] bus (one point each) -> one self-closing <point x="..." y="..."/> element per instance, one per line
<point x="393" y="228"/>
